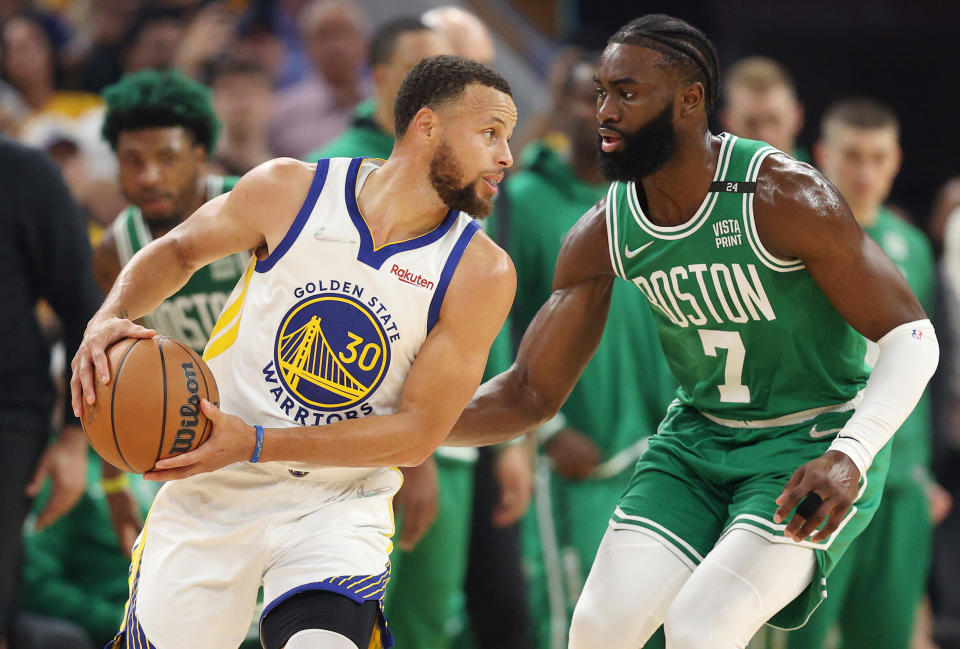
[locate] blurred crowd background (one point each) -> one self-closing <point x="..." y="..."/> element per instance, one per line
<point x="866" y="91"/>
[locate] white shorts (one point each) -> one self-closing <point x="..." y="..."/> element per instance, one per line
<point x="212" y="539"/>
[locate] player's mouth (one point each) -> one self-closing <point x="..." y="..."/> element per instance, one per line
<point x="609" y="140"/>
<point x="491" y="181"/>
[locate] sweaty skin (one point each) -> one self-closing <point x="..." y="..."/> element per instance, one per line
<point x="799" y="215"/>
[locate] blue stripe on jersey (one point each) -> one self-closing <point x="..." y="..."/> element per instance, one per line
<point x="319" y="178"/>
<point x="368" y="254"/>
<point x="447" y="273"/>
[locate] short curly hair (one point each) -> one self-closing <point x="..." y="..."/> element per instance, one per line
<point x="436" y="80"/>
<point x="160" y="98"/>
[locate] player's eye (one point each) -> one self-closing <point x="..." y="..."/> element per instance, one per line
<point x="601" y="93"/>
<point x="627" y="94"/>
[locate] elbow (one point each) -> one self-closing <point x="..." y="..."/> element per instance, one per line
<point x="415" y="456"/>
<point x="540" y="405"/>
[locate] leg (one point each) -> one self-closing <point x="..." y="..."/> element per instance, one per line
<point x="495" y="589"/>
<point x="426" y="591"/>
<point x="319" y="619"/>
<point x="742" y="582"/>
<point x="628" y="591"/>
<point x="21" y="453"/>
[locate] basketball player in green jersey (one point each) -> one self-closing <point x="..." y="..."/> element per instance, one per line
<point x="586" y="461"/>
<point x="878" y="586"/>
<point x="162" y="127"/>
<point x="763" y="287"/>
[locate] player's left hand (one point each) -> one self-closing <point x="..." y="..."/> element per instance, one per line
<point x="835" y="479"/>
<point x="65" y="463"/>
<point x="231" y="440"/>
<point x="417" y="503"/>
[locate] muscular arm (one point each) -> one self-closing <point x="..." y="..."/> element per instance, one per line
<point x="556" y="347"/>
<point x="799" y="214"/>
<point x="444" y="376"/>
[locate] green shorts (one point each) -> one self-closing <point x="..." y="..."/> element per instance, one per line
<point x="699" y="479"/>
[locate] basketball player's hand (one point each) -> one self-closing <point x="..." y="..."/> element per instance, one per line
<point x="90" y="363"/>
<point x="573" y="454"/>
<point x="513" y="469"/>
<point x="231" y="440"/>
<point x="65" y="463"/>
<point x="416" y="503"/>
<point x="835" y="479"/>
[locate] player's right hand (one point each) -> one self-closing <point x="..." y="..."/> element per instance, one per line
<point x="91" y="357"/>
<point x="573" y="454"/>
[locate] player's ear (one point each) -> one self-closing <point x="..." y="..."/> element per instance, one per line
<point x="425" y="123"/>
<point x="691" y="97"/>
<point x="819" y="153"/>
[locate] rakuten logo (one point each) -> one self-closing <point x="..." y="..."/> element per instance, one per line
<point x="405" y="275"/>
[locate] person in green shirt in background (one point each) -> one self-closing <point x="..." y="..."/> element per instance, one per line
<point x="425" y="595"/>
<point x="75" y="569"/>
<point x="588" y="451"/>
<point x="760" y="103"/>
<point x="878" y="587"/>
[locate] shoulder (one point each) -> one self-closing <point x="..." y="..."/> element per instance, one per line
<point x="282" y="179"/>
<point x="786" y="185"/>
<point x="799" y="213"/>
<point x="484" y="275"/>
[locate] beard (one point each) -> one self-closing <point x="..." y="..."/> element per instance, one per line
<point x="445" y="177"/>
<point x="645" y="151"/>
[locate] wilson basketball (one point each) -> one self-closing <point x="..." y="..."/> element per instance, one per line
<point x="150" y="408"/>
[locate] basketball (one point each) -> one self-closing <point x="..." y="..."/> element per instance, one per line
<point x="150" y="408"/>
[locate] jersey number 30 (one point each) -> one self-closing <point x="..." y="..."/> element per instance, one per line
<point x="732" y="390"/>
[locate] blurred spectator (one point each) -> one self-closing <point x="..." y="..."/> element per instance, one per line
<point x="314" y="111"/>
<point x="209" y="35"/>
<point x="99" y="44"/>
<point x="153" y="40"/>
<point x="859" y="152"/>
<point x="394" y="50"/>
<point x="63" y="121"/>
<point x="45" y="255"/>
<point x="589" y="450"/>
<point x="29" y="65"/>
<point x="467" y="34"/>
<point x="243" y="100"/>
<point x="75" y="570"/>
<point x="760" y="103"/>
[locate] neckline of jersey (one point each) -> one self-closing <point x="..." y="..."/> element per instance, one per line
<point x="369" y="252"/>
<point x="703" y="212"/>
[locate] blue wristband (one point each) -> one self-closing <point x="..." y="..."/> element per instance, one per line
<point x="259" y="448"/>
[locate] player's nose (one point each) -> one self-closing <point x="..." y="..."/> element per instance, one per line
<point x="504" y="155"/>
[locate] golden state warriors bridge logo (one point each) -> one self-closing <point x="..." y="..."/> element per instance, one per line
<point x="331" y="351"/>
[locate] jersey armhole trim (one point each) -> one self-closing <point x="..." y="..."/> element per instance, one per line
<point x="768" y="259"/>
<point x="612" y="233"/>
<point x="316" y="186"/>
<point x="453" y="260"/>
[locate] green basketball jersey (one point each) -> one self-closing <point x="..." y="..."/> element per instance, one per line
<point x="748" y="336"/>
<point x="190" y="313"/>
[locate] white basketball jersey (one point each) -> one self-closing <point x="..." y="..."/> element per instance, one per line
<point x="327" y="327"/>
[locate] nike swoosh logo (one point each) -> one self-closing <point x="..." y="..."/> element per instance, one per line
<point x="817" y="434"/>
<point x="633" y="253"/>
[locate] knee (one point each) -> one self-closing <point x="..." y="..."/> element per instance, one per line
<point x="591" y="628"/>
<point x="610" y="623"/>
<point x="696" y="620"/>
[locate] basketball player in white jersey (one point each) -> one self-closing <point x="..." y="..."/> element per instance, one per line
<point x="350" y="346"/>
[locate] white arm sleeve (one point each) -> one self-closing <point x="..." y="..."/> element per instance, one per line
<point x="907" y="358"/>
